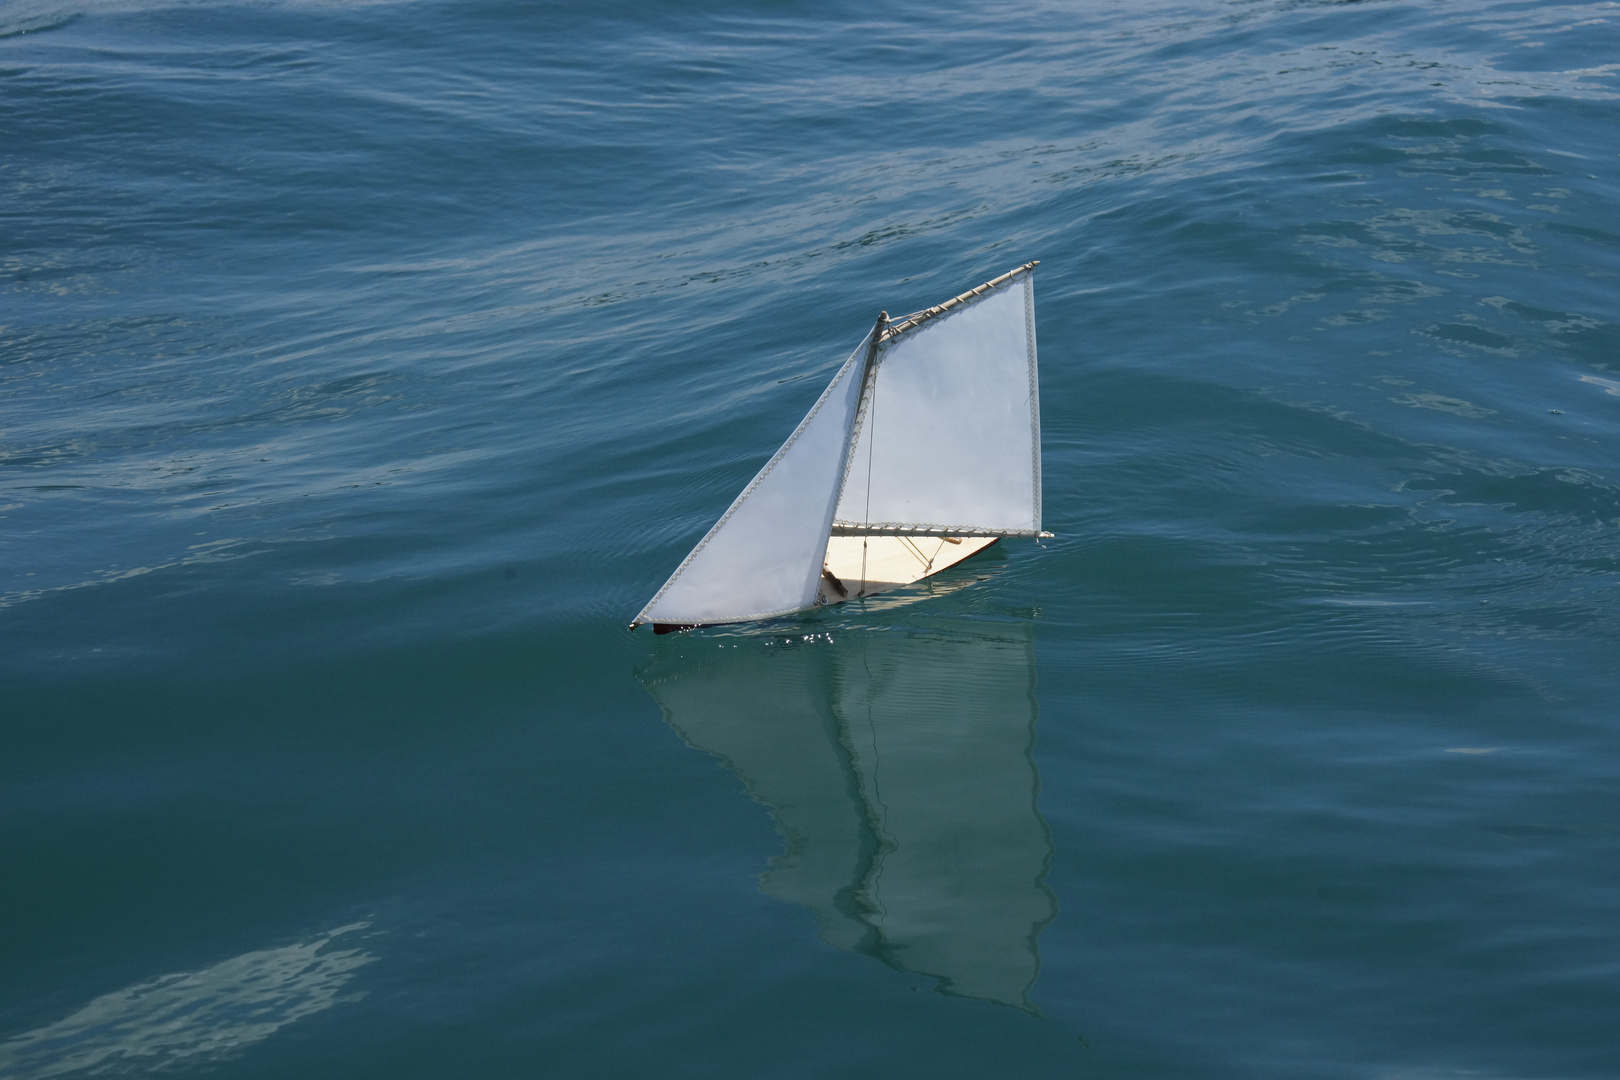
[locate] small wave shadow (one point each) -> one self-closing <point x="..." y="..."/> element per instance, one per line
<point x="190" y="1018"/>
<point x="24" y="19"/>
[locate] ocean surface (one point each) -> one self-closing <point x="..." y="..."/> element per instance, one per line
<point x="364" y="368"/>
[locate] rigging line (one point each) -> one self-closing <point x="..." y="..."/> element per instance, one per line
<point x="927" y="563"/>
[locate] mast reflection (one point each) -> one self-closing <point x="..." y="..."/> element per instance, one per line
<point x="898" y="768"/>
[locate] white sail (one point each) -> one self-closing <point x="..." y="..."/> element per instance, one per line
<point x="949" y="442"/>
<point x="764" y="556"/>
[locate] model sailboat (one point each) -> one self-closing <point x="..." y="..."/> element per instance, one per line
<point x="924" y="449"/>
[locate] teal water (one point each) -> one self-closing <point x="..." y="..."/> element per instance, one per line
<point x="365" y="366"/>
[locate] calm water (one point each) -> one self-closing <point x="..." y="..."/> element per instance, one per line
<point x="365" y="366"/>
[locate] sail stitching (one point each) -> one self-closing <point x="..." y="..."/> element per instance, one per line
<point x="868" y="392"/>
<point x="749" y="490"/>
<point x="912" y="322"/>
<point x="910" y="528"/>
<point x="722" y="620"/>
<point x="863" y="408"/>
<point x="1034" y="393"/>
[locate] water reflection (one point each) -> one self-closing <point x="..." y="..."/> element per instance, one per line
<point x="897" y="767"/>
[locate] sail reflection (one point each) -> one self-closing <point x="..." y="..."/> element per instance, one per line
<point x="897" y="767"/>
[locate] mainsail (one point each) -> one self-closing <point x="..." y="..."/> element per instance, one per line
<point x="950" y="440"/>
<point x="930" y="428"/>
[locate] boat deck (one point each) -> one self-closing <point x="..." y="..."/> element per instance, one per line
<point x="865" y="565"/>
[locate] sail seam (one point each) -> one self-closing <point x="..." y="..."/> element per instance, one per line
<point x="868" y="394"/>
<point x="721" y="620"/>
<point x="1034" y="392"/>
<point x="749" y="490"/>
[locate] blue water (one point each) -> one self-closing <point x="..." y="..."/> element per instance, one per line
<point x="364" y="367"/>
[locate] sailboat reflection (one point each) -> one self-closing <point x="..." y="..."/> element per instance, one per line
<point x="897" y="766"/>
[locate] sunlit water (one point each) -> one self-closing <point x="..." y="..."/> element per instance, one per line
<point x="364" y="368"/>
